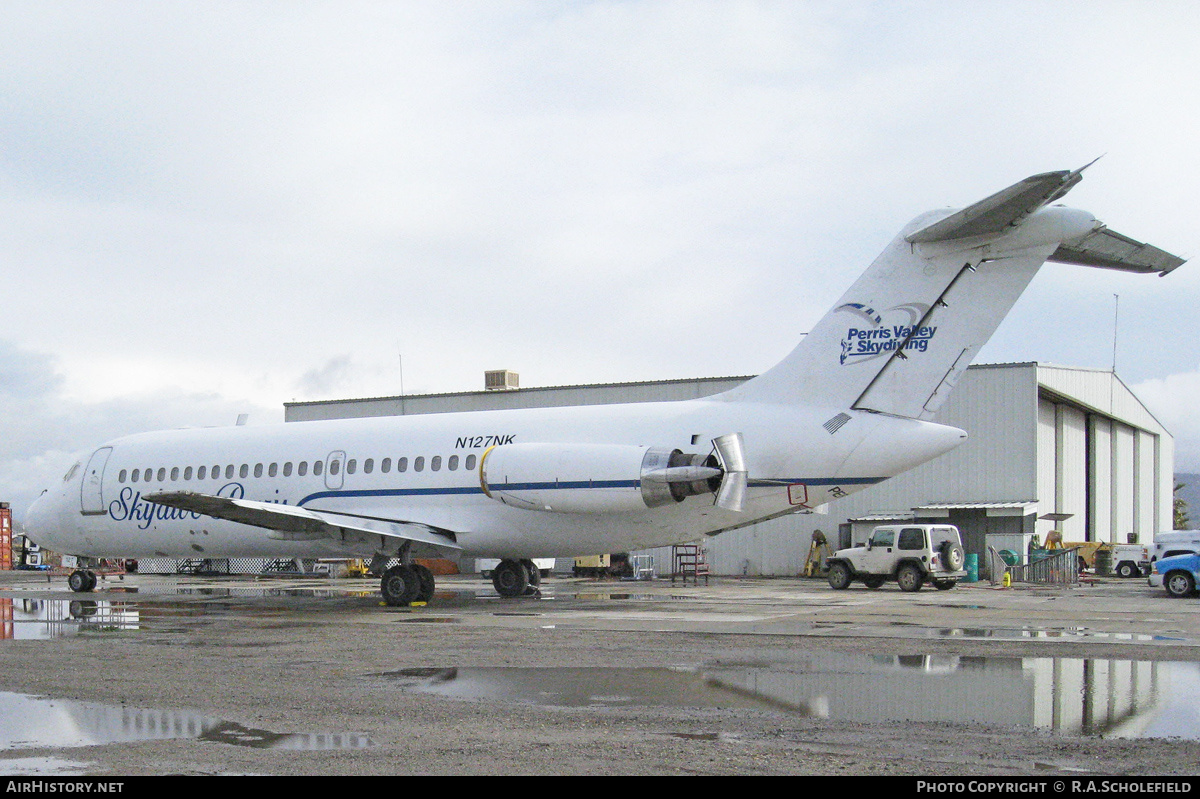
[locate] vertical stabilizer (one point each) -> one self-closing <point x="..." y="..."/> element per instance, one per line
<point x="899" y="339"/>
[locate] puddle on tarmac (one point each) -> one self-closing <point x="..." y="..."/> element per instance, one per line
<point x="1025" y="633"/>
<point x="600" y="596"/>
<point x="42" y="767"/>
<point x="24" y="619"/>
<point x="431" y="620"/>
<point x="1067" y="696"/>
<point x="33" y="722"/>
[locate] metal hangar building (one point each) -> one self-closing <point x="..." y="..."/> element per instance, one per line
<point x="1049" y="447"/>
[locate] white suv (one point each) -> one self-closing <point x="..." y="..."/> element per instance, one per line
<point x="910" y="554"/>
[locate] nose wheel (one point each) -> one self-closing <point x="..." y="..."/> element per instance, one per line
<point x="82" y="581"/>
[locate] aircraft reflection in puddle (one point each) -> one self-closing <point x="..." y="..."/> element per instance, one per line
<point x="40" y="619"/>
<point x="1069" y="696"/>
<point x="32" y="721"/>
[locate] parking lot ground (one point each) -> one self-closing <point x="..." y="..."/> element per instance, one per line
<point x="740" y="676"/>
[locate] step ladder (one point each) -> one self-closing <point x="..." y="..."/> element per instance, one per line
<point x="689" y="561"/>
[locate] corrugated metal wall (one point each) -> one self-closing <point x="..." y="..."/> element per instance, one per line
<point x="1100" y="515"/>
<point x="1103" y="471"/>
<point x="1072" y="469"/>
<point x="1123" y="484"/>
<point x="1046" y="462"/>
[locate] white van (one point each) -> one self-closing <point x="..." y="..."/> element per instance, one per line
<point x="1175" y="542"/>
<point x="1172" y="542"/>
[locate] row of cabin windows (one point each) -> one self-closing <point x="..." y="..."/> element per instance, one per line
<point x="301" y="469"/>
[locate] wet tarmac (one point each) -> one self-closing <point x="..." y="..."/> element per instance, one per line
<point x="43" y="617"/>
<point x="1066" y="696"/>
<point x="1115" y="662"/>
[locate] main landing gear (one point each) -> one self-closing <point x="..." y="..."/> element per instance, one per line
<point x="514" y="578"/>
<point x="82" y="581"/>
<point x="406" y="584"/>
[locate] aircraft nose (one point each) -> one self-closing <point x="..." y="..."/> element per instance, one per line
<point x="36" y="517"/>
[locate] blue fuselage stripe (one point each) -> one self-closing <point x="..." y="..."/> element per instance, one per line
<point x="779" y="482"/>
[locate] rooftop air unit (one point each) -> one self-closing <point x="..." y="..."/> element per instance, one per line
<point x="501" y="380"/>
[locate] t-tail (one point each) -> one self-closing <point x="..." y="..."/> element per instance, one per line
<point x="899" y="339"/>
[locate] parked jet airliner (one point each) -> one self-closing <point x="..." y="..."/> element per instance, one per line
<point x="846" y="409"/>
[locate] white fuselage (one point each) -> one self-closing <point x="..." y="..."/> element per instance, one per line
<point x="794" y="463"/>
<point x="847" y="408"/>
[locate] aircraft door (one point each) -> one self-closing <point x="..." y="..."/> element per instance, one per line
<point x="335" y="465"/>
<point x="91" y="489"/>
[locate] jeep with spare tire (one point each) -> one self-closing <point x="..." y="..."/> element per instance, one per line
<point x="910" y="554"/>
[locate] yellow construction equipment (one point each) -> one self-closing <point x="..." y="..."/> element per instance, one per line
<point x="818" y="553"/>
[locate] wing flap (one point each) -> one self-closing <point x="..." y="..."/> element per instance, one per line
<point x="1109" y="249"/>
<point x="292" y="523"/>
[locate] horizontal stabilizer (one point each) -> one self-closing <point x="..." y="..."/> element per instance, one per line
<point x="1108" y="249"/>
<point x="292" y="523"/>
<point x="1001" y="211"/>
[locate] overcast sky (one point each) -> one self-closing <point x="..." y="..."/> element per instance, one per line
<point x="213" y="208"/>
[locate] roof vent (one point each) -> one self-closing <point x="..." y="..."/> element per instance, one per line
<point x="501" y="380"/>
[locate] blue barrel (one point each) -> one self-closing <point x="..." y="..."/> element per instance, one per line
<point x="972" y="564"/>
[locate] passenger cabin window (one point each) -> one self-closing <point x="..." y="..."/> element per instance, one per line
<point x="435" y="463"/>
<point x="187" y="473"/>
<point x="273" y="470"/>
<point x="452" y="464"/>
<point x="335" y="466"/>
<point x="911" y="538"/>
<point x="368" y="465"/>
<point x="174" y="473"/>
<point x="470" y="464"/>
<point x="318" y="467"/>
<point x="385" y="465"/>
<point x="302" y="469"/>
<point x="162" y="474"/>
<point x="121" y="476"/>
<point x="351" y="466"/>
<point x="202" y="473"/>
<point x="229" y="472"/>
<point x="402" y="464"/>
<point x="287" y="469"/>
<point x="258" y="467"/>
<point x="419" y="463"/>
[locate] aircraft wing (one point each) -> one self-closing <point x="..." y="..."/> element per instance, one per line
<point x="292" y="523"/>
<point x="1109" y="249"/>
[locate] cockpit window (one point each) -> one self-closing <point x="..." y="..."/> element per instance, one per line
<point x="72" y="472"/>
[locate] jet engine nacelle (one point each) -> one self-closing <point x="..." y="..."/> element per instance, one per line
<point x="594" y="478"/>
